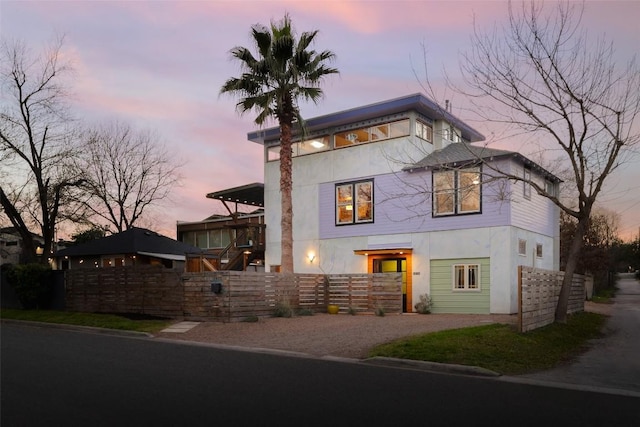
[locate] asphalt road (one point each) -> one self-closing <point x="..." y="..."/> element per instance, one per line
<point x="56" y="377"/>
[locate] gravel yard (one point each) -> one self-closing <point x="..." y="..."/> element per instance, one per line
<point x="340" y="335"/>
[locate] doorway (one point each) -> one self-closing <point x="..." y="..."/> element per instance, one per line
<point x="394" y="264"/>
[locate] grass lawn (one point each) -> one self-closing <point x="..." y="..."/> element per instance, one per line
<point x="109" y="321"/>
<point x="499" y="347"/>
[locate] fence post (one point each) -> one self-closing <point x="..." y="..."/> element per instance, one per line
<point x="519" y="298"/>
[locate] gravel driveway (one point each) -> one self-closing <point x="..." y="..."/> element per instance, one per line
<point x="338" y="335"/>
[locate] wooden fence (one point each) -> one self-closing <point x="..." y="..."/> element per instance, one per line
<point x="226" y="295"/>
<point x="151" y="290"/>
<point x="538" y="293"/>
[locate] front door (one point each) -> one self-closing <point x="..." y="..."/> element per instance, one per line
<point x="394" y="265"/>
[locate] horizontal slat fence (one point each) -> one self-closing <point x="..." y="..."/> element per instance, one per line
<point x="538" y="293"/>
<point x="161" y="292"/>
<point x="151" y="290"/>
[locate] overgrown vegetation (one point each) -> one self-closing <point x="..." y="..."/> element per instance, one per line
<point x="499" y="347"/>
<point x="98" y="320"/>
<point x="32" y="284"/>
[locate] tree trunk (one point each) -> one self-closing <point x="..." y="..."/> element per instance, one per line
<point x="572" y="260"/>
<point x="286" y="222"/>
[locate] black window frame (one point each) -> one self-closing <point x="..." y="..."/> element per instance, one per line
<point x="354" y="220"/>
<point x="456" y="192"/>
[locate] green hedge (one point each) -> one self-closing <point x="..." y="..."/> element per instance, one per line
<point x="32" y="284"/>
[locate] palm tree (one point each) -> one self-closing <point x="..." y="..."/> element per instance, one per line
<point x="283" y="72"/>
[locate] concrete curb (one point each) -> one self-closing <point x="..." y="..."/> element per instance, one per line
<point x="431" y="366"/>
<point x="78" y="328"/>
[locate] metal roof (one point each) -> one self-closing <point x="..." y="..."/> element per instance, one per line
<point x="416" y="102"/>
<point x="250" y="194"/>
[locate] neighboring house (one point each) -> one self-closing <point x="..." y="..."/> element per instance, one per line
<point x="11" y="245"/>
<point x="232" y="242"/>
<point x="135" y="246"/>
<point x="397" y="187"/>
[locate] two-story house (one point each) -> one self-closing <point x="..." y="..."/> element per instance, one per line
<point x="397" y="187"/>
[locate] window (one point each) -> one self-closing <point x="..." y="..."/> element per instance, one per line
<point x="372" y="133"/>
<point x="539" y="250"/>
<point x="309" y="146"/>
<point x="354" y="203"/>
<point x="551" y="188"/>
<point x="219" y="238"/>
<point x="466" y="277"/>
<point x="527" y="183"/>
<point x="522" y="247"/>
<point x="456" y="192"/>
<point x="424" y="131"/>
<point x="450" y="134"/>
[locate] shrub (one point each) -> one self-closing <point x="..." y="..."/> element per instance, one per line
<point x="379" y="311"/>
<point x="304" y="312"/>
<point x="282" y="309"/>
<point x="32" y="283"/>
<point x="424" y="306"/>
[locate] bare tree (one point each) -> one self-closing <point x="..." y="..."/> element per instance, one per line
<point x="542" y="76"/>
<point x="126" y="172"/>
<point x="35" y="142"/>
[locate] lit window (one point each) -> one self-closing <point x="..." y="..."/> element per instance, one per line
<point x="372" y="133"/>
<point x="466" y="277"/>
<point x="354" y="203"/>
<point x="456" y="192"/>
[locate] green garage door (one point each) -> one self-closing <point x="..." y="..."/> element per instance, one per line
<point x="460" y="285"/>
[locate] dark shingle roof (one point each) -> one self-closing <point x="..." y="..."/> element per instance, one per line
<point x="134" y="240"/>
<point x="461" y="154"/>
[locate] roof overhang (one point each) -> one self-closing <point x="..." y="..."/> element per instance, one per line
<point x="171" y="257"/>
<point x="250" y="194"/>
<point x="390" y="251"/>
<point x="415" y="102"/>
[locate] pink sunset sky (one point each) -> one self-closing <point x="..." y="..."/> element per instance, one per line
<point x="159" y="65"/>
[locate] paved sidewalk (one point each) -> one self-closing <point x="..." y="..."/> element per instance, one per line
<point x="612" y="361"/>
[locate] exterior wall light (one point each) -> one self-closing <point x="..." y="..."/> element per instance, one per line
<point x="311" y="256"/>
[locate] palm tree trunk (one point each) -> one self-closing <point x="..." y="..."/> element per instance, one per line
<point x="286" y="222"/>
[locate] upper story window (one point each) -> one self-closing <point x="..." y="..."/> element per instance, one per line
<point x="372" y="133"/>
<point x="551" y="188"/>
<point x="456" y="192"/>
<point x="526" y="183"/>
<point x="308" y="146"/>
<point x="424" y="131"/>
<point x="354" y="202"/>
<point x="450" y="134"/>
